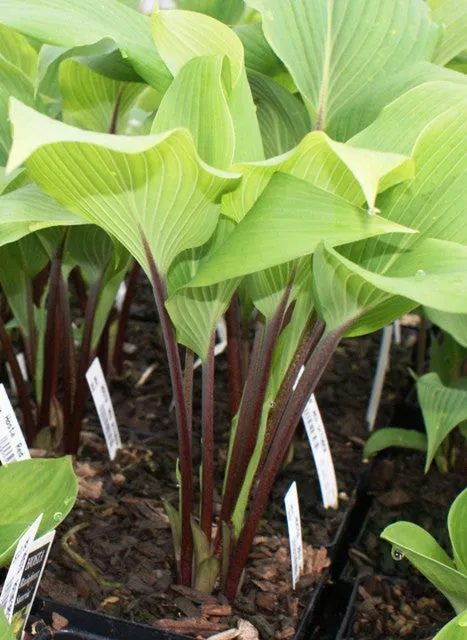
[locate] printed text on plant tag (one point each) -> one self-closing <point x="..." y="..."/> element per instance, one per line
<point x="13" y="447"/>
<point x="292" y="510"/>
<point x="104" y="407"/>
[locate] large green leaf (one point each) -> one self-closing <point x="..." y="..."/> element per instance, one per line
<point x="288" y="221"/>
<point x="91" y="100"/>
<point x="16" y="49"/>
<point x="394" y="437"/>
<point x="229" y="11"/>
<point x="418" y="546"/>
<point x="457" y="524"/>
<point x="181" y="36"/>
<point x="283" y="118"/>
<point x="259" y="56"/>
<point x="443" y="409"/>
<point x="456" y="629"/>
<point x="452" y="16"/>
<point x="29" y="488"/>
<point x="335" y="50"/>
<point x="28" y="209"/>
<point x="71" y="23"/>
<point x="139" y="189"/>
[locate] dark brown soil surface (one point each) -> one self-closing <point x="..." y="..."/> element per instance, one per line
<point x="125" y="563"/>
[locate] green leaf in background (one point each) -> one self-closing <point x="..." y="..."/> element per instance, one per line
<point x="16" y="49"/>
<point x="451" y="15"/>
<point x="394" y="437"/>
<point x="71" y="23"/>
<point x="6" y="632"/>
<point x="291" y="218"/>
<point x="334" y="50"/>
<point x="443" y="409"/>
<point x="454" y="323"/>
<point x="259" y="56"/>
<point x="181" y="36"/>
<point x="457" y="524"/>
<point x="283" y="118"/>
<point x="139" y="189"/>
<point x="456" y="629"/>
<point x="422" y="550"/>
<point x="14" y="83"/>
<point x="197" y="101"/>
<point x="28" y="209"/>
<point x="228" y="11"/>
<point x="31" y="487"/>
<point x="195" y="312"/>
<point x="92" y="101"/>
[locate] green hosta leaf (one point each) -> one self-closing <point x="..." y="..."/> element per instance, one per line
<point x="28" y="209"/>
<point x="31" y="487"/>
<point x="11" y="180"/>
<point x="13" y="83"/>
<point x="283" y="118"/>
<point x="16" y="49"/>
<point x="459" y="63"/>
<point x="365" y="110"/>
<point x="352" y="174"/>
<point x="259" y="56"/>
<point x="394" y="437"/>
<point x="334" y="50"/>
<point x="206" y="575"/>
<point x="451" y="15"/>
<point x="181" y="36"/>
<point x="90" y="100"/>
<point x="342" y="295"/>
<point x="6" y="632"/>
<point x="443" y="409"/>
<point x="197" y="101"/>
<point x="195" y="312"/>
<point x="457" y="524"/>
<point x="229" y="11"/>
<point x="72" y="23"/>
<point x="417" y="109"/>
<point x="288" y="221"/>
<point x="453" y="323"/>
<point x="422" y="550"/>
<point x="456" y="629"/>
<point x="175" y="527"/>
<point x="139" y="189"/>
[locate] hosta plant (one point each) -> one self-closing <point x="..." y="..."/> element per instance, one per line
<point x="310" y="179"/>
<point x="447" y="574"/>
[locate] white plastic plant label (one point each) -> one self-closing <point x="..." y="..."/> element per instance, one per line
<point x="380" y="374"/>
<point x="320" y="449"/>
<point x="13" y="447"/>
<point x="221" y="344"/>
<point x="104" y="407"/>
<point x="20" y="357"/>
<point x="16" y="570"/>
<point x="30" y="580"/>
<point x="120" y="296"/>
<point x="321" y="453"/>
<point x="292" y="510"/>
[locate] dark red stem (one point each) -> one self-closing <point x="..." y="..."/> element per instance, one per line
<point x="207" y="421"/>
<point x="234" y="355"/>
<point x="69" y="366"/>
<point x="124" y="317"/>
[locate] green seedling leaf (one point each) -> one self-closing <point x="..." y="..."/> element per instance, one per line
<point x="456" y="629"/>
<point x="334" y="50"/>
<point x="283" y="119"/>
<point x="422" y="550"/>
<point x="451" y="15"/>
<point x="176" y="528"/>
<point x="443" y="409"/>
<point x="291" y="217"/>
<point x="394" y="437"/>
<point x="31" y="487"/>
<point x="139" y="189"/>
<point x="457" y="525"/>
<point x="229" y="11"/>
<point x="206" y="575"/>
<point x="72" y="23"/>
